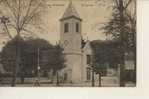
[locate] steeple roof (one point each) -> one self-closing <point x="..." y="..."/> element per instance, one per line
<point x="70" y="12"/>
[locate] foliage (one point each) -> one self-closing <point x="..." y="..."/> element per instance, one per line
<point x="31" y="54"/>
<point x="50" y="56"/>
<point x="105" y="53"/>
<point x="57" y="58"/>
<point x="19" y="17"/>
<point x="127" y="23"/>
<point x="9" y="51"/>
<point x="122" y="26"/>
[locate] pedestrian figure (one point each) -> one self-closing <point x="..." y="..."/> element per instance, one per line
<point x="36" y="83"/>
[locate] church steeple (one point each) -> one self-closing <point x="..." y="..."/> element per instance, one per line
<point x="70" y="28"/>
<point x="70" y="12"/>
<point x="71" y="41"/>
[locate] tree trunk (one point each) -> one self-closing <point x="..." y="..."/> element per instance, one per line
<point x="13" y="77"/>
<point x="17" y="61"/>
<point x="52" y="76"/>
<point x="22" y="78"/>
<point x="15" y="73"/>
<point x="99" y="75"/>
<point x="123" y="45"/>
<point x="57" y="80"/>
<point x="93" y="80"/>
<point x="135" y="64"/>
<point x="122" y="75"/>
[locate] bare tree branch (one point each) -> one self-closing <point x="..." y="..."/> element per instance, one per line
<point x="11" y="8"/>
<point x="11" y="25"/>
<point x="30" y="16"/>
<point x="28" y="31"/>
<point x="116" y="2"/>
<point x="127" y="4"/>
<point x="24" y="12"/>
<point x="7" y="30"/>
<point x="1" y="1"/>
<point x="27" y="13"/>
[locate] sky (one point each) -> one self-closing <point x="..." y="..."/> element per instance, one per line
<point x="92" y="14"/>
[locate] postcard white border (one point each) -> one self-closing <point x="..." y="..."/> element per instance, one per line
<point x="141" y="91"/>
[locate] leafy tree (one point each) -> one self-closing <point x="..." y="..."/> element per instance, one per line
<point x="9" y="53"/>
<point x="50" y="57"/>
<point x="31" y="54"/>
<point x="28" y="55"/>
<point x="104" y="53"/>
<point x="58" y="61"/>
<point x="120" y="27"/>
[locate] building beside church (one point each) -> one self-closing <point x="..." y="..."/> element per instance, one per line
<point x="77" y="53"/>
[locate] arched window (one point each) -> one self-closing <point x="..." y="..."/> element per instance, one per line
<point x="88" y="59"/>
<point x="77" y="27"/>
<point x="66" y="28"/>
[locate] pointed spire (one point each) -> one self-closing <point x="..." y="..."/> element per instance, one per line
<point x="70" y="12"/>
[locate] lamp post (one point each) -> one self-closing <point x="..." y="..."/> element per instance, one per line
<point x="37" y="80"/>
<point x="38" y="67"/>
<point x="91" y="64"/>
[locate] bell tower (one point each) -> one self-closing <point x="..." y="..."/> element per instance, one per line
<point x="70" y="39"/>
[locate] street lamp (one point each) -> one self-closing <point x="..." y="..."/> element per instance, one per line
<point x="38" y="68"/>
<point x="37" y="81"/>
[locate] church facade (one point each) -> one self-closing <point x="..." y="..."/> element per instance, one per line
<point x="77" y="53"/>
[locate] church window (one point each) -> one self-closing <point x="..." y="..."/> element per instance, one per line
<point x="88" y="59"/>
<point x="88" y="75"/>
<point x="66" y="28"/>
<point x="77" y="27"/>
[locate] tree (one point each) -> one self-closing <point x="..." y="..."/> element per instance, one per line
<point x="31" y="54"/>
<point x="104" y="53"/>
<point x="131" y="14"/>
<point x="58" y="61"/>
<point x="99" y="58"/>
<point x="9" y="54"/>
<point x="28" y="56"/>
<point x="119" y="27"/>
<point x="22" y="15"/>
<point x="50" y="57"/>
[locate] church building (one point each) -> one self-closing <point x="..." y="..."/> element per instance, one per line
<point x="77" y="53"/>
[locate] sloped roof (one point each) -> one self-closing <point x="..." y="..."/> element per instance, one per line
<point x="70" y="12"/>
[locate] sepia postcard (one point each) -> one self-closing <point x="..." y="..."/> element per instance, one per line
<point x="68" y="43"/>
